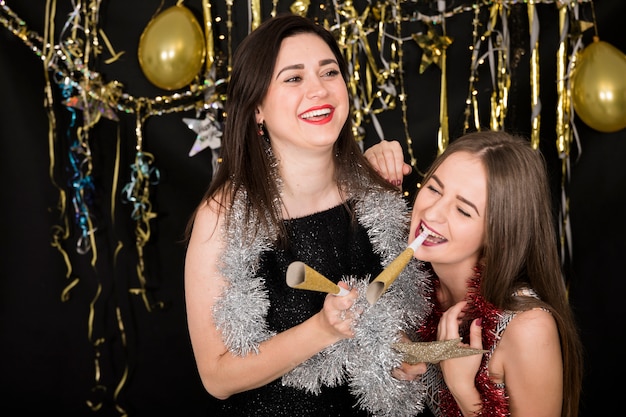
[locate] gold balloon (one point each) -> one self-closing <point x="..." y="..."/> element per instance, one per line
<point x="171" y="48"/>
<point x="599" y="87"/>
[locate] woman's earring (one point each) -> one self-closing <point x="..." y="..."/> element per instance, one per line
<point x="261" y="132"/>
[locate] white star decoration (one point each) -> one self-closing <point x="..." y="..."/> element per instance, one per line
<point x="209" y="133"/>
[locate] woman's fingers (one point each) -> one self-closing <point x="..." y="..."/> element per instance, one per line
<point x="409" y="372"/>
<point x="387" y="158"/>
<point x="450" y="320"/>
<point x="476" y="334"/>
<point x="338" y="310"/>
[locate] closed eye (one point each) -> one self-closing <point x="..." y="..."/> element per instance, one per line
<point x="437" y="191"/>
<point x="464" y="213"/>
<point x="433" y="189"/>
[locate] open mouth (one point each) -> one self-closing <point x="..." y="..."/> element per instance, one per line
<point x="432" y="236"/>
<point x="317" y="114"/>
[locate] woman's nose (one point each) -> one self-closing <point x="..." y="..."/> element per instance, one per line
<point x="316" y="88"/>
<point x="436" y="211"/>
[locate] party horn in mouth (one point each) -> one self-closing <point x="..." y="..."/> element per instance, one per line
<point x="377" y="287"/>
<point x="302" y="276"/>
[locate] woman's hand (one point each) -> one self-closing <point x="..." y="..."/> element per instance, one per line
<point x="460" y="373"/>
<point x="337" y="312"/>
<point x="387" y="158"/>
<point x="407" y="371"/>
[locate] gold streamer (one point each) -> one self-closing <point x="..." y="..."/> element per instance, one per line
<point x="139" y="193"/>
<point x="208" y="34"/>
<point x="96" y="345"/>
<point x="114" y="55"/>
<point x="255" y="11"/>
<point x="534" y="75"/>
<point x="402" y="97"/>
<point x="300" y="8"/>
<point x="471" y="103"/>
<point x="60" y="232"/>
<point x="124" y="378"/>
<point x="274" y="11"/>
<point x="65" y="294"/>
<point x="443" y="136"/>
<point x="434" y="52"/>
<point x="116" y="174"/>
<point x="229" y="28"/>
<point x="564" y="134"/>
<point x="563" y="131"/>
<point x="500" y="93"/>
<point x="367" y="83"/>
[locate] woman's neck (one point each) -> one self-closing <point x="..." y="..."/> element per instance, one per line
<point x="453" y="282"/>
<point x="308" y="186"/>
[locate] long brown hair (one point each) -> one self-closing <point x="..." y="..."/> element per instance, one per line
<point x="520" y="247"/>
<point x="245" y="163"/>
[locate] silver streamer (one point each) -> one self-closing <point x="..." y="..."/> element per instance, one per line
<point x="241" y="310"/>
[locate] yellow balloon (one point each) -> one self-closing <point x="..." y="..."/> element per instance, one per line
<point x="172" y="49"/>
<point x="599" y="87"/>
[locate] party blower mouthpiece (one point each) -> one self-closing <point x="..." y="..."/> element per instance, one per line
<point x="301" y="276"/>
<point x="377" y="287"/>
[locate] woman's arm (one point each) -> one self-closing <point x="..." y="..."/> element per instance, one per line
<point x="530" y="353"/>
<point x="527" y="358"/>
<point x="224" y="374"/>
<point x="460" y="373"/>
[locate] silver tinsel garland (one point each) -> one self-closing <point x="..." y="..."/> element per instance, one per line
<point x="365" y="361"/>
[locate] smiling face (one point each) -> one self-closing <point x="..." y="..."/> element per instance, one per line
<point x="307" y="103"/>
<point x="451" y="206"/>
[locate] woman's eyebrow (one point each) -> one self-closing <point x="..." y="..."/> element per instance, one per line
<point x="322" y="63"/>
<point x="290" y="67"/>
<point x="461" y="198"/>
<point x="469" y="203"/>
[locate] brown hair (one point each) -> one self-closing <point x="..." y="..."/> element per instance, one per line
<point x="520" y="247"/>
<point x="245" y="163"/>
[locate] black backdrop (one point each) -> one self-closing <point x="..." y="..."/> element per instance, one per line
<point x="49" y="350"/>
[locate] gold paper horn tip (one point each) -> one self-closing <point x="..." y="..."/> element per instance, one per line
<point x="295" y="274"/>
<point x="388" y="275"/>
<point x="374" y="291"/>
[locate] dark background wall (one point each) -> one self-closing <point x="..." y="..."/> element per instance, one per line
<point x="102" y="346"/>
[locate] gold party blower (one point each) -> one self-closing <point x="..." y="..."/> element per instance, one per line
<point x="301" y="276"/>
<point x="377" y="287"/>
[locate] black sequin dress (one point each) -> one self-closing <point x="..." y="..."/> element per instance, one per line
<point x="333" y="245"/>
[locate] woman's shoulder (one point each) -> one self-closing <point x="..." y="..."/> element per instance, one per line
<point x="529" y="342"/>
<point x="530" y="330"/>
<point x="210" y="213"/>
<point x="529" y="360"/>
